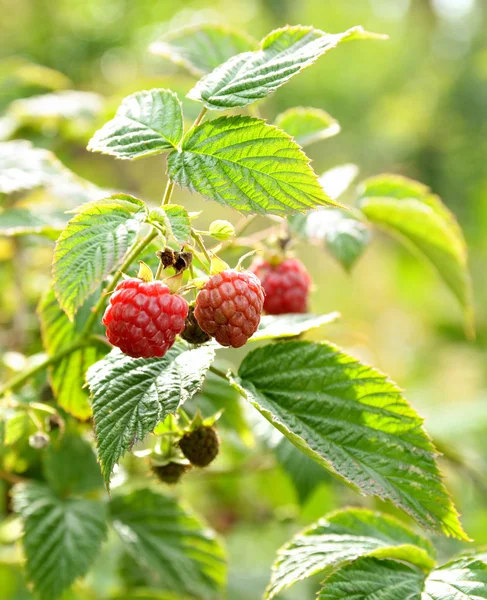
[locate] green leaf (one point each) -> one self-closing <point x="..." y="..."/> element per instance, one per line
<point x="354" y="422"/>
<point x="70" y="466"/>
<point x="131" y="395"/>
<point x="283" y="326"/>
<point x="307" y="125"/>
<point x="341" y="538"/>
<point x="62" y="537"/>
<point x="336" y="181"/>
<point x="175" y="551"/>
<point x="346" y="237"/>
<point x="23" y="221"/>
<point x="94" y="243"/>
<point x="221" y="230"/>
<point x="18" y="426"/>
<point x="67" y="377"/>
<point x="24" y="167"/>
<point x="174" y="220"/>
<point x="408" y="209"/>
<point x="379" y="579"/>
<point x="146" y="123"/>
<point x="247" y="164"/>
<point x="201" y="48"/>
<point x="462" y="579"/>
<point x="283" y="53"/>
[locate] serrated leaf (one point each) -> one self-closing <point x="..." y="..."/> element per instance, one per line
<point x="353" y="421"/>
<point x="345" y="236"/>
<point x="94" y="243"/>
<point x="247" y="164"/>
<point x="131" y="395"/>
<point x="175" y="551"/>
<point x="175" y="220"/>
<point x="342" y="537"/>
<point x="283" y="326"/>
<point x="307" y="125"/>
<point x="23" y="221"/>
<point x="67" y="377"/>
<point x="146" y="123"/>
<point x="62" y="537"/>
<point x="24" y="167"/>
<point x="409" y="209"/>
<point x="462" y="579"/>
<point x="372" y="578"/>
<point x="70" y="466"/>
<point x="202" y="48"/>
<point x="283" y="53"/>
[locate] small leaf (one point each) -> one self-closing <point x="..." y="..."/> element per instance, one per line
<point x="175" y="221"/>
<point x="336" y="181"/>
<point x="147" y="123"/>
<point x="307" y="125"/>
<point x="247" y="164"/>
<point x="409" y="209"/>
<point x="174" y="550"/>
<point x="283" y="53"/>
<point x="68" y="375"/>
<point x="341" y="538"/>
<point x="462" y="579"/>
<point x="221" y="230"/>
<point x="379" y="579"/>
<point x="131" y="395"/>
<point x="94" y="242"/>
<point x="19" y="426"/>
<point x="291" y="325"/>
<point x="353" y="421"/>
<point x="62" y="537"/>
<point x="202" y="48"/>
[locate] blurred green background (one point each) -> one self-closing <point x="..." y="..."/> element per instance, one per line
<point x="415" y="105"/>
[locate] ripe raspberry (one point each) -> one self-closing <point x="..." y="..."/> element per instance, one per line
<point x="170" y="473"/>
<point x="286" y="285"/>
<point x="200" y="446"/>
<point x="229" y="306"/>
<point x="192" y="332"/>
<point x="143" y="319"/>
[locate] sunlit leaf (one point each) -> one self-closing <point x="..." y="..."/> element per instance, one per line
<point x="307" y="125"/>
<point x="283" y="326"/>
<point x="22" y="221"/>
<point x="175" y="221"/>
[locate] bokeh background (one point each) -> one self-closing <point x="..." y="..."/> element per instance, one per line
<point x="415" y="105"/>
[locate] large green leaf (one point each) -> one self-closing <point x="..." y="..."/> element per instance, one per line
<point x="341" y="538"/>
<point x="22" y="221"/>
<point x="67" y="376"/>
<point x="201" y="48"/>
<point x="131" y="395"/>
<point x="307" y="125"/>
<point x="409" y="209"/>
<point x="147" y="122"/>
<point x="250" y="76"/>
<point x="284" y="326"/>
<point x="175" y="551"/>
<point x="94" y="242"/>
<point x="462" y="579"/>
<point x="353" y="421"/>
<point x="372" y="578"/>
<point x="61" y="537"/>
<point x="247" y="164"/>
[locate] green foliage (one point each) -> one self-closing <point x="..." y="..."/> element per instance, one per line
<point x="92" y="245"/>
<point x="465" y="577"/>
<point x="174" y="220"/>
<point x="62" y="537"/>
<point x="342" y="537"/>
<point x="130" y="396"/>
<point x="307" y="125"/>
<point x="174" y="550"/>
<point x="251" y="76"/>
<point x="201" y="48"/>
<point x="22" y="221"/>
<point x="287" y="326"/>
<point x="146" y="123"/>
<point x="354" y="422"/>
<point x="246" y="164"/>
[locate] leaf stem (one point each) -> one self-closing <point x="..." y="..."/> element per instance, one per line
<point x="218" y="372"/>
<point x="199" y="241"/>
<point x="200" y="117"/>
<point x="167" y="192"/>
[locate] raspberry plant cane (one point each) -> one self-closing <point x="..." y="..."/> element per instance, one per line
<point x="346" y="416"/>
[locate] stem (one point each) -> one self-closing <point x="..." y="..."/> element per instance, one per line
<point x="167" y="192"/>
<point x="199" y="240"/>
<point x="219" y="372"/>
<point x="200" y="117"/>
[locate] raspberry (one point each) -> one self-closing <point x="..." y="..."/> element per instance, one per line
<point x="229" y="306"/>
<point x="286" y="285"/>
<point x="143" y="319"/>
<point x="192" y="332"/>
<point x="170" y="473"/>
<point x="200" y="446"/>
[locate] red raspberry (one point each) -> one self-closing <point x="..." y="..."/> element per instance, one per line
<point x="143" y="319"/>
<point x="229" y="306"/>
<point x="286" y="285"/>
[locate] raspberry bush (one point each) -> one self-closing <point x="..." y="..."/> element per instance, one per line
<point x="137" y="380"/>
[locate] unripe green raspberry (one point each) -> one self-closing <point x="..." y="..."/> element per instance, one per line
<point x="170" y="473"/>
<point x="200" y="446"/>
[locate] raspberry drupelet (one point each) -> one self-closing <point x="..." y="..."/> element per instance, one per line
<point x="286" y="285"/>
<point x="229" y="307"/>
<point x="143" y="319"/>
